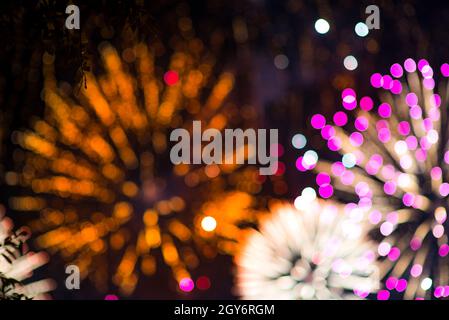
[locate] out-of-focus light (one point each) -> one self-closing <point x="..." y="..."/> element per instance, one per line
<point x="443" y="251"/>
<point x="299" y="202"/>
<point x="445" y="70"/>
<point x="349" y="99"/>
<point x="366" y="103"/>
<point x="318" y="121"/>
<point x="438" y="231"/>
<point x="400" y="147"/>
<point x="330" y="254"/>
<point x="350" y="63"/>
<point x="410" y="65"/>
<point x="111" y="297"/>
<point x="440" y="214"/>
<point x="299" y="141"/>
<point x="322" y="26"/>
<point x="171" y="77"/>
<point x="186" y="284"/>
<point x="281" y="61"/>
<point x="386" y="228"/>
<point x="308" y="194"/>
<point x="383" y="295"/>
<point x="340" y="118"/>
<point x="310" y="158"/>
<point x="203" y="283"/>
<point x="444" y="189"/>
<point x="408" y="127"/>
<point x="416" y="270"/>
<point x="426" y="283"/>
<point x="361" y="29"/>
<point x="323" y="178"/>
<point x="240" y="29"/>
<point x="208" y="223"/>
<point x="349" y="160"/>
<point x="404" y="180"/>
<point x="326" y="191"/>
<point x="383" y="249"/>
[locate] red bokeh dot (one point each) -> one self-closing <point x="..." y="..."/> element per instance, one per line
<point x="171" y="77"/>
<point x="203" y="283"/>
<point x="281" y="169"/>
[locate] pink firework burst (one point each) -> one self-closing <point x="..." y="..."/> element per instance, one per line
<point x="391" y="158"/>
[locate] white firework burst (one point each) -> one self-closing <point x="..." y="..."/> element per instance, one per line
<point x="17" y="264"/>
<point x="317" y="252"/>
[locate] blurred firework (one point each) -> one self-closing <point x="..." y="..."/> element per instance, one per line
<point x="222" y="219"/>
<point x="16" y="264"/>
<point x="99" y="168"/>
<point x="393" y="161"/>
<point x="2" y="134"/>
<point x="316" y="252"/>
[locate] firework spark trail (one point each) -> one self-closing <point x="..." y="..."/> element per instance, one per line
<point x="316" y="252"/>
<point x="99" y="164"/>
<point x="392" y="159"/>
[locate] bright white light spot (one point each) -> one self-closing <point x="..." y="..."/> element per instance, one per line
<point x="350" y="63"/>
<point x="361" y="29"/>
<point x="310" y="158"/>
<point x="281" y="61"/>
<point x="356" y="214"/>
<point x="208" y="223"/>
<point x="386" y="228"/>
<point x="351" y="229"/>
<point x="299" y="141"/>
<point x="404" y="180"/>
<point x="432" y="136"/>
<point x="426" y="283"/>
<point x="308" y="194"/>
<point x="384" y="248"/>
<point x="349" y="160"/>
<point x="349" y="99"/>
<point x="400" y="147"/>
<point x="438" y="231"/>
<point x="306" y="292"/>
<point x="286" y="282"/>
<point x="406" y="162"/>
<point x="299" y="203"/>
<point x="322" y="26"/>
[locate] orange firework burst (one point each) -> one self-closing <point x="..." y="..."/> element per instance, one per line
<point x="99" y="168"/>
<point x="222" y="219"/>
